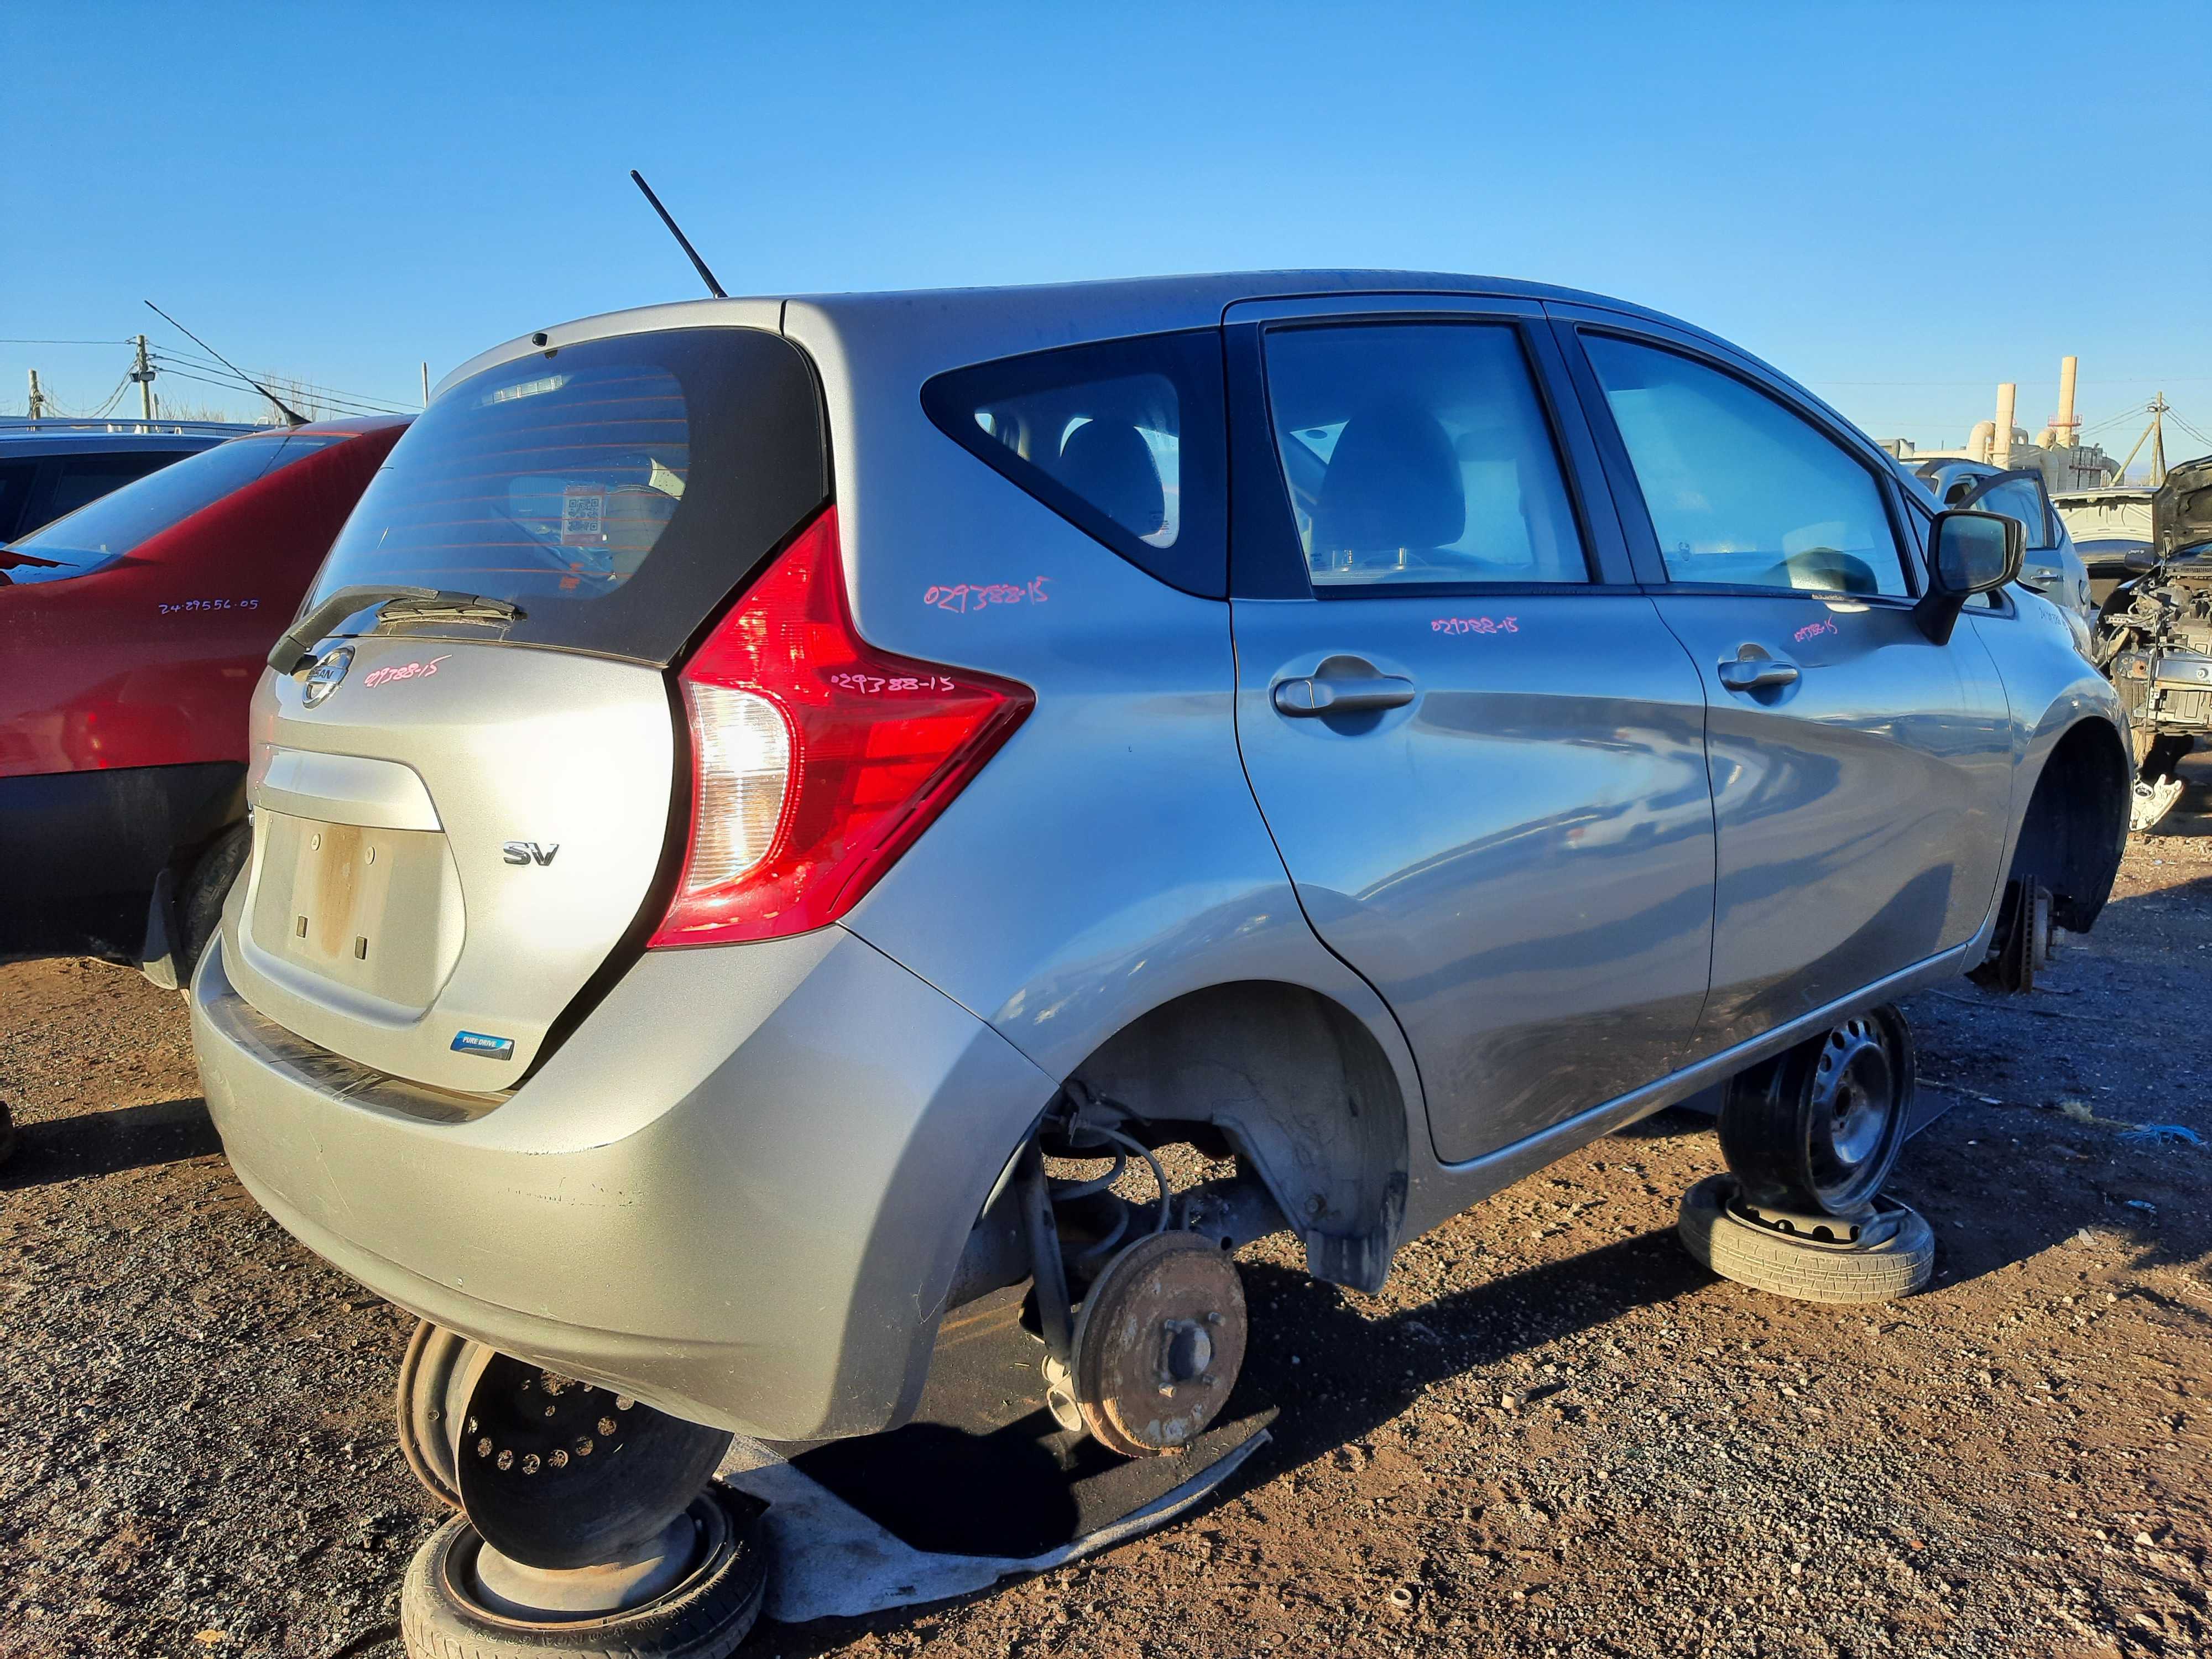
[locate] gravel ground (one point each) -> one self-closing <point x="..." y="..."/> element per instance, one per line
<point x="1551" y="1434"/>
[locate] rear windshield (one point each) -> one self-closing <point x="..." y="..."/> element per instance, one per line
<point x="616" y="491"/>
<point x="102" y="532"/>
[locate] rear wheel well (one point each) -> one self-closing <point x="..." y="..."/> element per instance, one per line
<point x="1303" y="1093"/>
<point x="2076" y="824"/>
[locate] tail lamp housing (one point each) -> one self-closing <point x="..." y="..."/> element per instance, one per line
<point x="816" y="760"/>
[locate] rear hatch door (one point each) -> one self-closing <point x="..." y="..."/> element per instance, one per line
<point x="459" y="822"/>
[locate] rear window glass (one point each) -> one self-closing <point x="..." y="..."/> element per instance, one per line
<point x="615" y="491"/>
<point x="84" y="479"/>
<point x="107" y="528"/>
<point x="1124" y="439"/>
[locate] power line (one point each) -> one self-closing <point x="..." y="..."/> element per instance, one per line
<point x="345" y="401"/>
<point x="305" y="388"/>
<point x="69" y="343"/>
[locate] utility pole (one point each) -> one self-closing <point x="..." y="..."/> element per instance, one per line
<point x="38" y="397"/>
<point x="143" y="372"/>
<point x="2155" y="434"/>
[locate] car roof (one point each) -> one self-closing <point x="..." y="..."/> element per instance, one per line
<point x="1031" y="317"/>
<point x="17" y="442"/>
<point x="23" y="438"/>
<point x="347" y="428"/>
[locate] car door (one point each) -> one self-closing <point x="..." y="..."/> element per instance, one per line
<point x="2052" y="566"/>
<point x="1862" y="776"/>
<point x="1476" y="744"/>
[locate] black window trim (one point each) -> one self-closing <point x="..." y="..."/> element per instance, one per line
<point x="1628" y="490"/>
<point x="1256" y="463"/>
<point x="940" y="403"/>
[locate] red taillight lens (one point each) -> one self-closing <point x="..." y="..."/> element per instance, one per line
<point x="815" y="758"/>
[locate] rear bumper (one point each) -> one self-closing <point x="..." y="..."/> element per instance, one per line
<point x="738" y="1191"/>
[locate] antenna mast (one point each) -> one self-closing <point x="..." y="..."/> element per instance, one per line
<point x="283" y="408"/>
<point x="682" y="241"/>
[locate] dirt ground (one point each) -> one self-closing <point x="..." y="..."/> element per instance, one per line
<point x="1551" y="1434"/>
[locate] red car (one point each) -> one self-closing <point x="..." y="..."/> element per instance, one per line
<point x="131" y="633"/>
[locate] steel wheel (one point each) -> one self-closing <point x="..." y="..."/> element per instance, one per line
<point x="1817" y="1131"/>
<point x="556" y="1472"/>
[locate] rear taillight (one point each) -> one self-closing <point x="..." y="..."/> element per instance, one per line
<point x="817" y="759"/>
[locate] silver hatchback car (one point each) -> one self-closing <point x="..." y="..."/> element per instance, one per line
<point x="754" y="777"/>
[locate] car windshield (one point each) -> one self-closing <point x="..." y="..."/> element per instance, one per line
<point x="105" y="531"/>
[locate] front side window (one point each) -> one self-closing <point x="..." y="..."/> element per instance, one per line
<point x="1740" y="490"/>
<point x="1124" y="439"/>
<point x="97" y="535"/>
<point x="1418" y="452"/>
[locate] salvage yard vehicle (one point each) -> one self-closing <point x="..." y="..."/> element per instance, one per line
<point x="754" y="779"/>
<point x="132" y="631"/>
<point x="2052" y="565"/>
<point x="2155" y="639"/>
<point x="2112" y="530"/>
<point x="50" y="467"/>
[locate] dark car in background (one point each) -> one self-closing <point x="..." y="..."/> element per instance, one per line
<point x="50" y="468"/>
<point x="2112" y="530"/>
<point x="132" y="631"/>
<point x="2052" y="567"/>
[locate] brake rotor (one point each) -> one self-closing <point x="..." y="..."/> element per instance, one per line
<point x="556" y="1472"/>
<point x="1158" y="1344"/>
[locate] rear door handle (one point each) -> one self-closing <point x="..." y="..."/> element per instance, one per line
<point x="1314" y="695"/>
<point x="1756" y="673"/>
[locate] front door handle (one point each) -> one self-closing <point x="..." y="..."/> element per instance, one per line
<point x="1756" y="673"/>
<point x="1316" y="695"/>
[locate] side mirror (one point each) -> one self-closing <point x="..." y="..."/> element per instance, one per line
<point x="1969" y="552"/>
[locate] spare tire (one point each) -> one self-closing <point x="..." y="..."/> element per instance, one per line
<point x="1891" y="1257"/>
<point x="705" y="1616"/>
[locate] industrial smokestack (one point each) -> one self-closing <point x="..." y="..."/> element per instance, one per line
<point x="2066" y="423"/>
<point x="2001" y="439"/>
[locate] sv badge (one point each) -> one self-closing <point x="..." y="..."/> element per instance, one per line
<point x="529" y="852"/>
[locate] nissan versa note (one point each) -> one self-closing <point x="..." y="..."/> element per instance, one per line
<point x="754" y="778"/>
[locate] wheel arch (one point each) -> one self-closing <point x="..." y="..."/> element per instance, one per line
<point x="1302" y="1090"/>
<point x="2075" y="827"/>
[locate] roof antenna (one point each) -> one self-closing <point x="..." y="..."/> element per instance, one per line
<point x="291" y="414"/>
<point x="698" y="263"/>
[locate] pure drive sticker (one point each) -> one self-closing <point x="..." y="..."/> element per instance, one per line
<point x="476" y="1042"/>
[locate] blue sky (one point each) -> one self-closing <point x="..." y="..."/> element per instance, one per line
<point x="1893" y="207"/>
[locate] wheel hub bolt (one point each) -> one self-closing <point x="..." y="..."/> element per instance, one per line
<point x="608" y="1425"/>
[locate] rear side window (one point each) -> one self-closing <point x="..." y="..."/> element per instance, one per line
<point x="124" y="518"/>
<point x="1418" y="452"/>
<point x="1742" y="491"/>
<point x="1124" y="439"/>
<point x="616" y="490"/>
